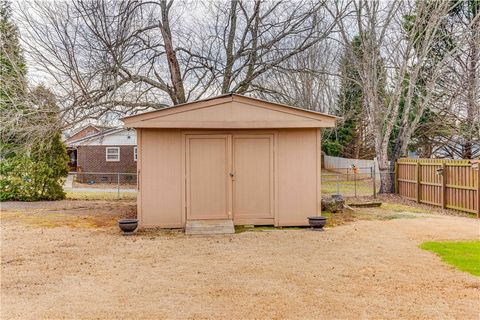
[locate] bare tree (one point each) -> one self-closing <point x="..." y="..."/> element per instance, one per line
<point x="460" y="87"/>
<point x="410" y="75"/>
<point x="28" y="117"/>
<point x="309" y="80"/>
<point x="109" y="56"/>
<point x="105" y="56"/>
<point x="257" y="37"/>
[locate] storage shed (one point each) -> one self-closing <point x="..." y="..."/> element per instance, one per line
<point x="230" y="157"/>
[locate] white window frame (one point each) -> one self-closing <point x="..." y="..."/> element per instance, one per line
<point x="112" y="148"/>
<point x="135" y="154"/>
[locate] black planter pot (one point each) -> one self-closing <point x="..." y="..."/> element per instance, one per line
<point x="317" y="223"/>
<point x="128" y="226"/>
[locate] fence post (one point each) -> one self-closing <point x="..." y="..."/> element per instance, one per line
<point x="118" y="185"/>
<point x="478" y="191"/>
<point x="374" y="182"/>
<point x="417" y="175"/>
<point x="338" y="186"/>
<point x="396" y="178"/>
<point x="444" y="185"/>
<point x="355" y="183"/>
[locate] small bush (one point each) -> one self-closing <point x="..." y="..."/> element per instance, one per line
<point x="36" y="176"/>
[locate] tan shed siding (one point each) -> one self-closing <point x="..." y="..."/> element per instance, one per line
<point x="161" y="178"/>
<point x="296" y="184"/>
<point x="297" y="175"/>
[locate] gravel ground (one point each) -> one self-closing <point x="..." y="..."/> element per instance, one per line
<point x="364" y="269"/>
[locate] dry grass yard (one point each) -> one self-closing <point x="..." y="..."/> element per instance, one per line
<point x="66" y="260"/>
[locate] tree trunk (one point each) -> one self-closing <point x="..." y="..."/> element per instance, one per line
<point x="467" y="146"/>
<point x="398" y="151"/>
<point x="385" y="179"/>
<point x="178" y="91"/>
<point x="252" y="57"/>
<point x="227" y="74"/>
<point x="381" y="149"/>
<point x="357" y="141"/>
<point x="472" y="108"/>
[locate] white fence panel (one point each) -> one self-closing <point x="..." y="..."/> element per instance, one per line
<point x="343" y="165"/>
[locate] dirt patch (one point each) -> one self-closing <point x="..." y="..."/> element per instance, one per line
<point x="397" y="203"/>
<point x="340" y="218"/>
<point x="66" y="213"/>
<point x="386" y="211"/>
<point x="363" y="269"/>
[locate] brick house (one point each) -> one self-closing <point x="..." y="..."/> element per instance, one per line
<point x="83" y="132"/>
<point x="103" y="155"/>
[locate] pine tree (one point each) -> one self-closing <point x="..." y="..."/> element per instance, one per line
<point x="13" y="83"/>
<point x="466" y="15"/>
<point x="34" y="159"/>
<point x="434" y="124"/>
<point x="350" y="138"/>
<point x="38" y="173"/>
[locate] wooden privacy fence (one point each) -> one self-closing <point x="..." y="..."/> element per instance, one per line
<point x="452" y="184"/>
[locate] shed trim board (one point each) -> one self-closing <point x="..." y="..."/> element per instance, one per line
<point x="319" y="172"/>
<point x="232" y="158"/>
<point x="139" y="175"/>
<point x="275" y="179"/>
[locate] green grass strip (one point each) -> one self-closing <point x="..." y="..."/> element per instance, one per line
<point x="465" y="255"/>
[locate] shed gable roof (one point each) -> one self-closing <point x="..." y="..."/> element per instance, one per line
<point x="231" y="111"/>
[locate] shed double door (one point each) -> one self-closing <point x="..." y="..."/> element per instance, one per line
<point x="229" y="176"/>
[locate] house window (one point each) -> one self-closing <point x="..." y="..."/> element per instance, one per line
<point x="113" y="153"/>
<point x="134" y="153"/>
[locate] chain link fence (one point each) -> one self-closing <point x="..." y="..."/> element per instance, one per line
<point x="351" y="182"/>
<point x="106" y="178"/>
<point x="348" y="182"/>
<point x="118" y="182"/>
